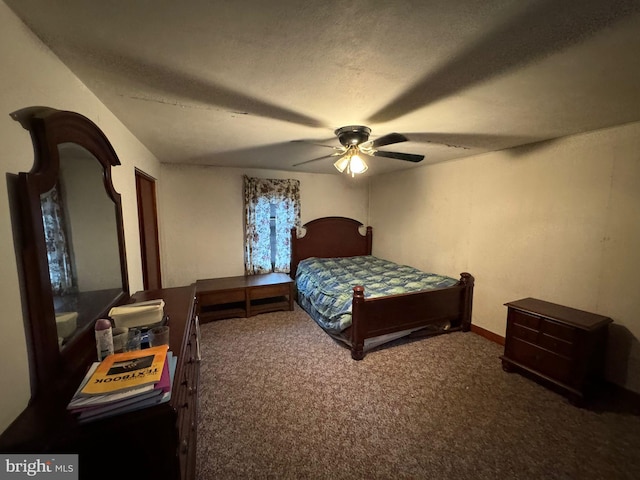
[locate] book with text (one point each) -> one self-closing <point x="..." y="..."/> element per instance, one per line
<point x="128" y="370"/>
<point x="146" y="399"/>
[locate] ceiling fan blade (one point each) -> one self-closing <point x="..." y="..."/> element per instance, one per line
<point x="409" y="157"/>
<point x="318" y="144"/>
<point x="337" y="154"/>
<point x="386" y="140"/>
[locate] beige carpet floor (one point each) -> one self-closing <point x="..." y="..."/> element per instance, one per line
<point x="279" y="399"/>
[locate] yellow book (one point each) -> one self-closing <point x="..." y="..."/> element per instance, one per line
<point x="127" y="370"/>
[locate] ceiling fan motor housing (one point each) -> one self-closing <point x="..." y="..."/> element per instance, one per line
<point x="353" y="135"/>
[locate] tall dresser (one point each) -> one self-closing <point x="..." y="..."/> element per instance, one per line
<point x="158" y="442"/>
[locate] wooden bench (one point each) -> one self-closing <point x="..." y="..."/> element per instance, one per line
<point x="243" y="296"/>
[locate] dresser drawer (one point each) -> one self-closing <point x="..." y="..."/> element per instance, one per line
<point x="269" y="291"/>
<point x="556" y="345"/>
<point x="221" y="297"/>
<point x="550" y="364"/>
<point x="187" y="449"/>
<point x="554" y="329"/>
<point x="542" y="339"/>
<point x="524" y="319"/>
<point x="187" y="410"/>
<point x="524" y="333"/>
<point x="189" y="374"/>
<point x="187" y="432"/>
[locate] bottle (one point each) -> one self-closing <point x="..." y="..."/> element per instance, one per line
<point x="104" y="338"/>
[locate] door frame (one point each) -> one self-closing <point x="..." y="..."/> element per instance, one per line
<point x="148" y="222"/>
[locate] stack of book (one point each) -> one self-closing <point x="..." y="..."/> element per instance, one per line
<point x="124" y="382"/>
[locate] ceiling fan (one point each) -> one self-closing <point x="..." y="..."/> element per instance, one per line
<point x="355" y="142"/>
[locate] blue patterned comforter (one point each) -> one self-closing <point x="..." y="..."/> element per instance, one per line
<point x="325" y="285"/>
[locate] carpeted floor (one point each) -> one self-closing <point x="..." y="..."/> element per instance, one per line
<point x="279" y="399"/>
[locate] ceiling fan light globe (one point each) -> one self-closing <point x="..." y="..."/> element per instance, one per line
<point x="342" y="163"/>
<point x="357" y="165"/>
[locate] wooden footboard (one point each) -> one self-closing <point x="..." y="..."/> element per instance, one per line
<point x="372" y="317"/>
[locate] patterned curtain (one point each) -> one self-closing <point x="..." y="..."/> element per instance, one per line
<point x="259" y="195"/>
<point x="60" y="267"/>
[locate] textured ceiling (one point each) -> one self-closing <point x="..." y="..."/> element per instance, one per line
<point x="235" y="83"/>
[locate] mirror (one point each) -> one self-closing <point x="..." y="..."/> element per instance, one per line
<point x="73" y="252"/>
<point x="80" y="232"/>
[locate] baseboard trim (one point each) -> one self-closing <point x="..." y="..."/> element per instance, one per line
<point x="494" y="337"/>
<point x="629" y="395"/>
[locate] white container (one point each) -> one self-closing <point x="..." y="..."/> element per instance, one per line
<point x="140" y="314"/>
<point x="104" y="338"/>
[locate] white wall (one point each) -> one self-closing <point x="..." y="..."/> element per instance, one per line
<point x="201" y="210"/>
<point x="30" y="75"/>
<point x="558" y="220"/>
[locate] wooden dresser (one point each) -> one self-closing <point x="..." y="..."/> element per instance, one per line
<point x="157" y="442"/>
<point x="558" y="344"/>
<point x="180" y="306"/>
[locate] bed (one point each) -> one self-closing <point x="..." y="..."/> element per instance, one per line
<point x="332" y="265"/>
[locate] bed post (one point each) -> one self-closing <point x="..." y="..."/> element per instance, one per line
<point x="467" y="280"/>
<point x="357" y="342"/>
<point x="293" y="263"/>
<point x="369" y="237"/>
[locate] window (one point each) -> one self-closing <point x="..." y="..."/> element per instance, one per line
<point x="55" y="237"/>
<point x="272" y="209"/>
<point x="272" y="234"/>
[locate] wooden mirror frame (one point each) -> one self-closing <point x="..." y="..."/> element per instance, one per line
<point x="57" y="372"/>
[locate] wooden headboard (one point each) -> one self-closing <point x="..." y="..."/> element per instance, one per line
<point x="329" y="237"/>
